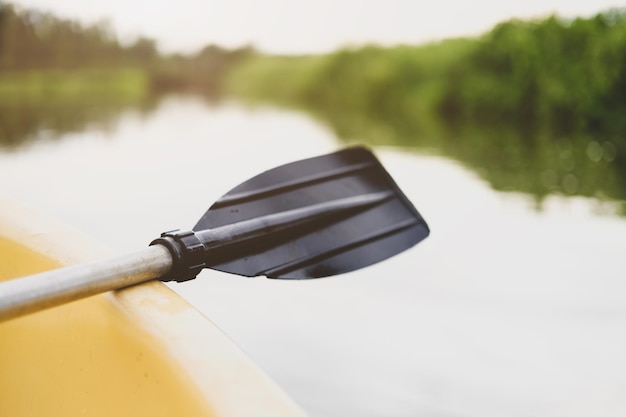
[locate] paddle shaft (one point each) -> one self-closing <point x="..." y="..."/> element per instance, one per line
<point x="37" y="292"/>
<point x="48" y="289"/>
<point x="313" y="218"/>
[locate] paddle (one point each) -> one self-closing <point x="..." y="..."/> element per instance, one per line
<point x="308" y="219"/>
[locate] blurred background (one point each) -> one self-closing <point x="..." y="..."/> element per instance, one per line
<point x="504" y="122"/>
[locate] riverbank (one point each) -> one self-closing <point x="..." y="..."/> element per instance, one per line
<point x="42" y="55"/>
<point x="48" y="103"/>
<point x="535" y="106"/>
<point x="553" y="74"/>
<point x="126" y="83"/>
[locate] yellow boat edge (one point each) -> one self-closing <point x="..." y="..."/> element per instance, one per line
<point x="138" y="351"/>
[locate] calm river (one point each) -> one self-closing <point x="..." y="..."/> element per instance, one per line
<point x="505" y="310"/>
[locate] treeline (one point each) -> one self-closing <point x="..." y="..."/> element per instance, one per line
<point x="552" y="73"/>
<point x="536" y="106"/>
<point x="34" y="42"/>
<point x="203" y="71"/>
<point x="563" y="74"/>
<point x="57" y="75"/>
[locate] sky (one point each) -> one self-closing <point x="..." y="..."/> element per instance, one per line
<point x="298" y="26"/>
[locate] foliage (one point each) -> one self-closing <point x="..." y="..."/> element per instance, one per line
<point x="390" y="83"/>
<point x="57" y="75"/>
<point x="536" y="106"/>
<point x="553" y="73"/>
<point x="34" y="42"/>
<point x="55" y="84"/>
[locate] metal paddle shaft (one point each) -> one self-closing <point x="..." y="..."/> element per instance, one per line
<point x="313" y="218"/>
<point x="48" y="289"/>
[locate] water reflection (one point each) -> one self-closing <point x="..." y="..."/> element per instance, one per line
<point x="25" y="121"/>
<point x="538" y="163"/>
<point x="503" y="310"/>
<point x="510" y="160"/>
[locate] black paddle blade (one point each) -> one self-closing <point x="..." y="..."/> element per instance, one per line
<point x="312" y="218"/>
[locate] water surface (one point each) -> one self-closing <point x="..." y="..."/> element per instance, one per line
<point x="506" y="309"/>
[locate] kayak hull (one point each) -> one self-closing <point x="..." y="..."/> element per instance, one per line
<point x="138" y="351"/>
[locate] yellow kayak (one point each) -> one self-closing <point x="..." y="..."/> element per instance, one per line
<point x="141" y="351"/>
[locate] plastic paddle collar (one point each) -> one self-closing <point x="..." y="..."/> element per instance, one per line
<point x="188" y="255"/>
